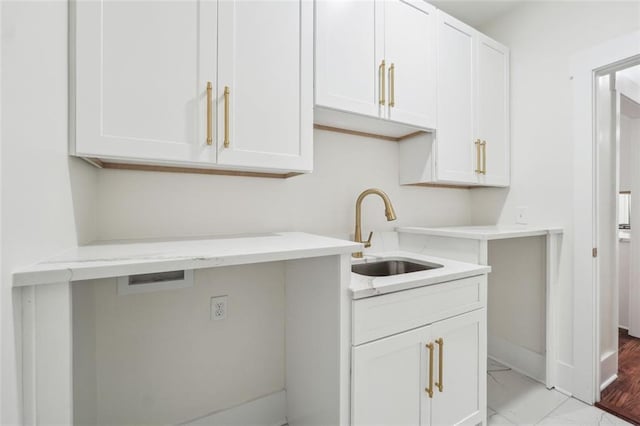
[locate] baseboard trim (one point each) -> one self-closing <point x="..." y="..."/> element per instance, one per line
<point x="608" y="369"/>
<point x="518" y="358"/>
<point x="607" y="382"/>
<point x="269" y="410"/>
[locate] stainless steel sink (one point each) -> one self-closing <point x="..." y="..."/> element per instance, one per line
<point x="388" y="267"/>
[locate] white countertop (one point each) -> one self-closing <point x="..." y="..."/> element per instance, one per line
<point x="496" y="232"/>
<point x="363" y="286"/>
<point x="120" y="258"/>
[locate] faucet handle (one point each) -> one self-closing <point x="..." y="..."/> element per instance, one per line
<point x="368" y="242"/>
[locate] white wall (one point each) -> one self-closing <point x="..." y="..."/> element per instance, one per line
<point x="143" y="204"/>
<point x="47" y="199"/>
<point x="542" y="37"/>
<point x="158" y="358"/>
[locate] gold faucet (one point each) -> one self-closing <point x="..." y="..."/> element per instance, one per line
<point x="388" y="211"/>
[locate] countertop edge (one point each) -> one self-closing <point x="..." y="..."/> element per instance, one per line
<point x="489" y="234"/>
<point x="41" y="274"/>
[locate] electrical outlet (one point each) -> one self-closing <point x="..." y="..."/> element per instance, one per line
<point x="522" y="216"/>
<point x="218" y="308"/>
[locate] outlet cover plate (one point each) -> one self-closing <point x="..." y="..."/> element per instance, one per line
<point x="219" y="307"/>
<point x="522" y="216"/>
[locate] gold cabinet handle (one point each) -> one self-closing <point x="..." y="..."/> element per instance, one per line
<point x="429" y="389"/>
<point x="392" y="85"/>
<point x="440" y="343"/>
<point x="209" y="114"/>
<point x="226" y="116"/>
<point x="484" y="157"/>
<point x="478" y="156"/>
<point x="381" y="98"/>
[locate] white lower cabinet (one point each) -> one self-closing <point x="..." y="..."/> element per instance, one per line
<point x="431" y="375"/>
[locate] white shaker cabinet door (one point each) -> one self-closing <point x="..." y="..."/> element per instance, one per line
<point x="265" y="84"/>
<point x="462" y="349"/>
<point x="388" y="380"/>
<point x="140" y="78"/>
<point x="492" y="110"/>
<point x="410" y="54"/>
<point x="349" y="52"/>
<point x="456" y="154"/>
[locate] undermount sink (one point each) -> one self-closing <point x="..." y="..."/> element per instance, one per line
<point x="388" y="267"/>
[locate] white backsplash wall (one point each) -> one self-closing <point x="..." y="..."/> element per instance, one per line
<point x="136" y="204"/>
<point x="158" y="358"/>
<point x="542" y="37"/>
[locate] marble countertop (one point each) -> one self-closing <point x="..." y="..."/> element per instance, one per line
<point x="120" y="258"/>
<point x="496" y="232"/>
<point x="363" y="286"/>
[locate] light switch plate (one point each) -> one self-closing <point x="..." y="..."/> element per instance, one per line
<point x="522" y="216"/>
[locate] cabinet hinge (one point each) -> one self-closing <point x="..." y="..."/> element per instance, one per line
<point x="594" y="252"/>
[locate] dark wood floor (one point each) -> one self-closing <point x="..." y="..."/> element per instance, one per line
<point x="622" y="397"/>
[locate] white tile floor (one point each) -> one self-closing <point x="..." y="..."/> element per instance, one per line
<point x="514" y="399"/>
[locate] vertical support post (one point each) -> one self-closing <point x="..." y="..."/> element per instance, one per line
<point x="47" y="354"/>
<point x="553" y="253"/>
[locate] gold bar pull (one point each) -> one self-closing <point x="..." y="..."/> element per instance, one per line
<point x="226" y="116"/>
<point x="429" y="389"/>
<point x="381" y="98"/>
<point x="392" y="85"/>
<point x="440" y="343"/>
<point x="209" y="114"/>
<point x="478" y="156"/>
<point x="484" y="157"/>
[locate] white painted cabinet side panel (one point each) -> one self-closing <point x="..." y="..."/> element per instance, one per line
<point x="455" y="135"/>
<point x="265" y="58"/>
<point x="47" y="354"/>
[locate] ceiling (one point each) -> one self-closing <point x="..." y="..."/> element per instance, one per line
<point x="476" y="13"/>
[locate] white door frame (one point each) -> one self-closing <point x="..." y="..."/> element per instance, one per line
<point x="586" y="336"/>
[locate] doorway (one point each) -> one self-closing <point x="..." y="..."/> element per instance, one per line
<point x="618" y="179"/>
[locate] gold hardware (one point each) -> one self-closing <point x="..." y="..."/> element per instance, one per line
<point x="392" y="86"/>
<point x="209" y="112"/>
<point x="388" y="212"/>
<point x="478" y="155"/>
<point x="484" y="157"/>
<point x="440" y="343"/>
<point x="429" y="389"/>
<point x="226" y="116"/>
<point x="381" y="99"/>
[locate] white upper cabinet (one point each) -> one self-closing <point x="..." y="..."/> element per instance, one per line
<point x="455" y="154"/>
<point x="410" y="46"/>
<point x="470" y="146"/>
<point x="265" y="57"/>
<point x="375" y="60"/>
<point x="141" y="72"/>
<point x="492" y="110"/>
<point x="349" y="48"/>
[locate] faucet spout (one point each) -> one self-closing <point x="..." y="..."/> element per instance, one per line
<point x="389" y="212"/>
